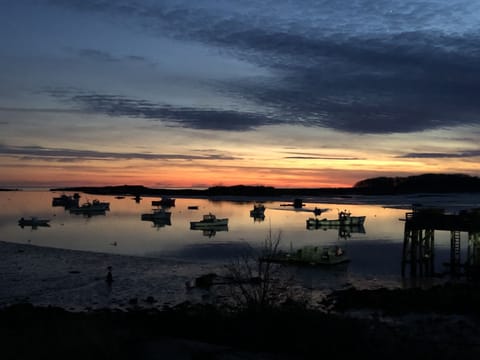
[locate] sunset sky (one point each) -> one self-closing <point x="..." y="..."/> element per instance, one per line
<point x="304" y="93"/>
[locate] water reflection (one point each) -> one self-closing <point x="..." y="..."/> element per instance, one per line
<point x="375" y="248"/>
<point x="33" y="222"/>
<point x="211" y="231"/>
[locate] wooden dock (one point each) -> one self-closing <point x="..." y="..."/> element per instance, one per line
<point x="419" y="241"/>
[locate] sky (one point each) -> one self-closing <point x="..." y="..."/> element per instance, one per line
<point x="284" y="93"/>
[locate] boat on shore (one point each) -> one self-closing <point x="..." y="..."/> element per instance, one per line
<point x="344" y="219"/>
<point x="209" y="221"/>
<point x="310" y="256"/>
<point x="33" y="222"/>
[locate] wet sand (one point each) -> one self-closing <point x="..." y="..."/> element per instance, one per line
<point x="55" y="303"/>
<point x="75" y="280"/>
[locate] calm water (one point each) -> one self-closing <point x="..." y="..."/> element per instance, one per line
<point x="375" y="254"/>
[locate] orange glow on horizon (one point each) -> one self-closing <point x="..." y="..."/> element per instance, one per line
<point x="207" y="173"/>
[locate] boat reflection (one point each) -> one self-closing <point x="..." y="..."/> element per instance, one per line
<point x="211" y="231"/>
<point x="344" y="231"/>
<point x="160" y="223"/>
<point x="34" y="222"/>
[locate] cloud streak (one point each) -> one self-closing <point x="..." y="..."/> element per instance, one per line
<point x="71" y="155"/>
<point x="463" y="154"/>
<point x="195" y="118"/>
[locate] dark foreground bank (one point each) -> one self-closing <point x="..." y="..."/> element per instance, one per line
<point x="290" y="331"/>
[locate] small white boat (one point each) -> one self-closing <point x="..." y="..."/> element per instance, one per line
<point x="344" y="219"/>
<point x="33" y="222"/>
<point x="310" y="255"/>
<point x="209" y="221"/>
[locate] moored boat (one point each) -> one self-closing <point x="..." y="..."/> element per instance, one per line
<point x="66" y="201"/>
<point x="344" y="218"/>
<point x="310" y="255"/>
<point x="164" y="201"/>
<point x="96" y="206"/>
<point x="209" y="221"/>
<point x="258" y="211"/>
<point x="157" y="215"/>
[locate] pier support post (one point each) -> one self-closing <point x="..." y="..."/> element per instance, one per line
<point x="473" y="254"/>
<point x="418" y="251"/>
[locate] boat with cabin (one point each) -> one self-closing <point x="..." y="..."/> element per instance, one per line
<point x="209" y="221"/>
<point x="67" y="201"/>
<point x="157" y="215"/>
<point x="258" y="211"/>
<point x="164" y="201"/>
<point x="344" y="219"/>
<point x="94" y="207"/>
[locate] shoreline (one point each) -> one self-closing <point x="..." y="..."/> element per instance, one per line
<point x="75" y="280"/>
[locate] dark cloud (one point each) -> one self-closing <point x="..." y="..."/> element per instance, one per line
<point x="206" y="119"/>
<point x="398" y="66"/>
<point x="375" y="85"/>
<point x="464" y="154"/>
<point x="70" y="155"/>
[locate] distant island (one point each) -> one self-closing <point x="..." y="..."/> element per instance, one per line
<point x="426" y="183"/>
